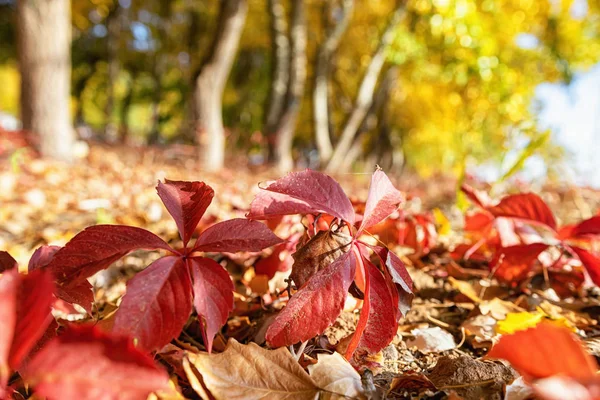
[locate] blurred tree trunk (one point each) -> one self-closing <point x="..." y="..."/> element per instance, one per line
<point x="364" y="98"/>
<point x="289" y="118"/>
<point x="113" y="25"/>
<point x="280" y="46"/>
<point x="44" y="41"/>
<point x="211" y="80"/>
<point x="321" y="93"/>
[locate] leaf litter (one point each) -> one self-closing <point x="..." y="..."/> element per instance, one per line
<point x="462" y="293"/>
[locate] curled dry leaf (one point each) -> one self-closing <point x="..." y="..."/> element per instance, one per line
<point x="251" y="372"/>
<point x="318" y="253"/>
<point x="333" y="373"/>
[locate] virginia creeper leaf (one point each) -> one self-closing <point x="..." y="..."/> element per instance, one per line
<point x="383" y="200"/>
<point x="157" y="303"/>
<point x="7" y="262"/>
<point x="80" y="293"/>
<point x="251" y="372"/>
<point x="85" y="363"/>
<point x="238" y="234"/>
<point x="186" y="202"/>
<point x="96" y="247"/>
<point x="590" y="262"/>
<point x="213" y="296"/>
<point x="526" y="206"/>
<point x="42" y="257"/>
<point x="380" y="317"/>
<point x="9" y="282"/>
<point x="590" y="226"/>
<point x="35" y="296"/>
<point x="476" y="196"/>
<point x="399" y="275"/>
<point x="544" y="351"/>
<point x="304" y="192"/>
<point x="513" y="263"/>
<point x="315" y="306"/>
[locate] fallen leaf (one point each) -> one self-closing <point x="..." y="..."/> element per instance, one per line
<point x="431" y="340"/>
<point x="335" y="375"/>
<point x="251" y="372"/>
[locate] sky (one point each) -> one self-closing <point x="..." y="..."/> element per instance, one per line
<point x="573" y="114"/>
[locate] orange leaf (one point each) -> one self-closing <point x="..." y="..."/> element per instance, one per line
<point x="545" y="351"/>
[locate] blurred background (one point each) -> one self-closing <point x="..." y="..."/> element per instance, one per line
<point x="467" y="88"/>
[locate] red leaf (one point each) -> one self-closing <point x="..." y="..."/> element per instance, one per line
<point x="383" y="200"/>
<point x="238" y="234"/>
<point x="399" y="276"/>
<point x="213" y="296"/>
<point x="305" y="192"/>
<point x="8" y="319"/>
<point x="42" y="257"/>
<point x="85" y="363"/>
<point x="590" y="226"/>
<point x="96" y="248"/>
<point x="7" y="262"/>
<point x="479" y="222"/>
<point x="80" y="293"/>
<point x="544" y="351"/>
<point x="186" y="202"/>
<point x="527" y="206"/>
<point x="157" y="304"/>
<point x="476" y="196"/>
<point x="513" y="263"/>
<point x="280" y="260"/>
<point x="315" y="306"/>
<point x="379" y="314"/>
<point x="34" y="300"/>
<point x="590" y="262"/>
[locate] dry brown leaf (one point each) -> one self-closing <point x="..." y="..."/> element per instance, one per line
<point x="250" y="372"/>
<point x="333" y="373"/>
<point x="320" y="251"/>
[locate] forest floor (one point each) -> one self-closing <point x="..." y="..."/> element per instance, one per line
<point x="458" y="311"/>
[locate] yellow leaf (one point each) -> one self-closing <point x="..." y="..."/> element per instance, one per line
<point x="441" y="221"/>
<point x="520" y="321"/>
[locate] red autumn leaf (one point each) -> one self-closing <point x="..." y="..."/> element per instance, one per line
<point x="545" y="350"/>
<point x="7" y="262"/>
<point x="526" y="206"/>
<point x="186" y="202"/>
<point x="42" y="257"/>
<point x="85" y="363"/>
<point x="35" y="296"/>
<point x="588" y="227"/>
<point x="213" y="296"/>
<point x="479" y="222"/>
<point x="590" y="262"/>
<point x="378" y="321"/>
<point x="97" y="247"/>
<point x="24" y="315"/>
<point x="80" y="293"/>
<point x="238" y="234"/>
<point x="476" y="196"/>
<point x="399" y="276"/>
<point x="315" y="306"/>
<point x="8" y="319"/>
<point x="157" y="303"/>
<point x="383" y="200"/>
<point x="279" y="260"/>
<point x="513" y="263"/>
<point x="304" y="192"/>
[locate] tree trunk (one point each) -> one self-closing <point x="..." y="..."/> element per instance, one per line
<point x="375" y="121"/>
<point x="211" y="81"/>
<point x="289" y="118"/>
<point x="113" y="24"/>
<point x="365" y="95"/>
<point x="280" y="45"/>
<point x="44" y="40"/>
<point x="321" y="92"/>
